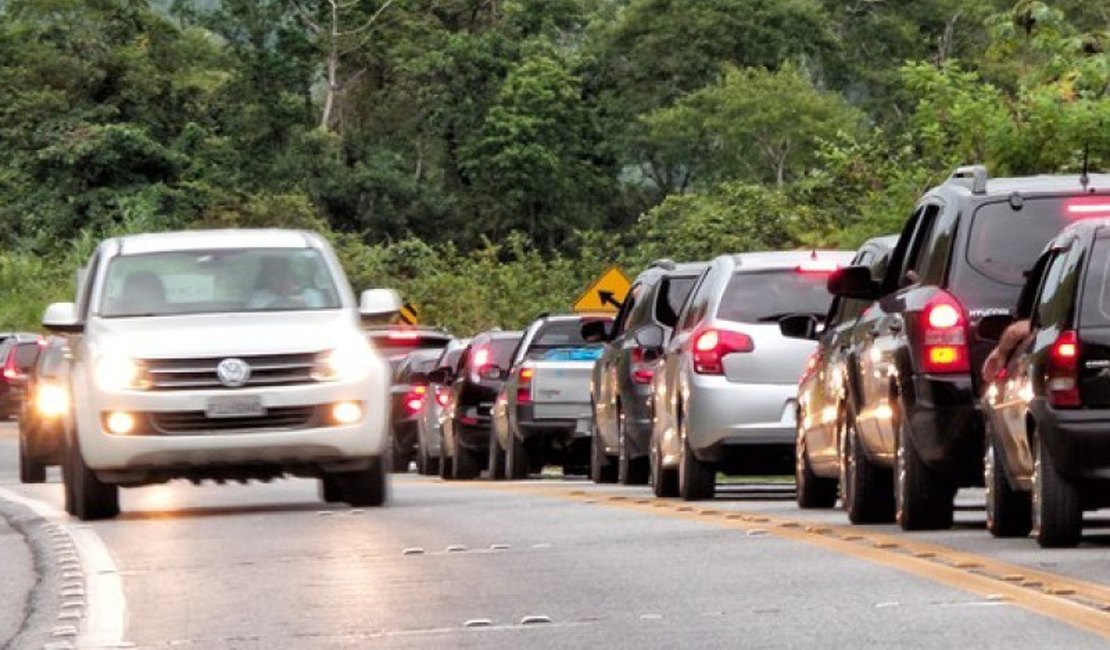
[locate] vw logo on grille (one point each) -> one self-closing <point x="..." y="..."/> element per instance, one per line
<point x="233" y="373"/>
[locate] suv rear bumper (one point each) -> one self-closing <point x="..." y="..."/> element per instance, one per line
<point x="1079" y="440"/>
<point x="946" y="427"/>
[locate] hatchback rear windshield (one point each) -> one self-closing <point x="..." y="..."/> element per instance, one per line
<point x="1004" y="243"/>
<point x="767" y="296"/>
<point x="503" y="351"/>
<point x="26" y="354"/>
<point x="1095" y="310"/>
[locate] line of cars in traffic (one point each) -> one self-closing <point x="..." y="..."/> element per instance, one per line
<point x="861" y="372"/>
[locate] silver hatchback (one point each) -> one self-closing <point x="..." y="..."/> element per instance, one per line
<point x="724" y="395"/>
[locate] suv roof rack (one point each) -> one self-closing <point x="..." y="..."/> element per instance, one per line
<point x="974" y="177"/>
<point x="665" y="263"/>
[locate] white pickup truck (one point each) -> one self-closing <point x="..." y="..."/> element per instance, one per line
<point x="226" y="355"/>
<point x="545" y="412"/>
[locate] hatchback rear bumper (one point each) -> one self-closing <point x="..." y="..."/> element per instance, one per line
<point x="721" y="414"/>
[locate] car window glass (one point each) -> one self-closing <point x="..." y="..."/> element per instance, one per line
<point x="621" y="323"/>
<point x="767" y="296"/>
<point x="695" y="308"/>
<point x="916" y="261"/>
<point x="1049" y="308"/>
<point x="503" y="349"/>
<point x="672" y="295"/>
<point x="26" y="354"/>
<point x="1095" y="308"/>
<point x="84" y="295"/>
<point x="641" y="311"/>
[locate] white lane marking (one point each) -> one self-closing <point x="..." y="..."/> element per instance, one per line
<point x="106" y="614"/>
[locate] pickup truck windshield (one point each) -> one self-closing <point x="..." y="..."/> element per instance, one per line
<point x="218" y="281"/>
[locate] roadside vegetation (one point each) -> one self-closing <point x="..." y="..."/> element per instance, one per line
<point x="487" y="158"/>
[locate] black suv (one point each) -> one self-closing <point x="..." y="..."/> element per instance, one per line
<point x="913" y="375"/>
<point x="483" y="367"/>
<point x="823" y="406"/>
<point x="1048" y="409"/>
<point x="409" y="389"/>
<point x="620" y="388"/>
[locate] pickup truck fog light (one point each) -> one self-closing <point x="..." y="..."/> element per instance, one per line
<point x="346" y="412"/>
<point x="120" y="423"/>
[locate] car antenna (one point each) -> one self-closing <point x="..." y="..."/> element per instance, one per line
<point x="1084" y="178"/>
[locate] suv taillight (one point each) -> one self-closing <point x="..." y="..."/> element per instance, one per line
<point x="944" y="336"/>
<point x="524" y="384"/>
<point x="1063" y="371"/>
<point x="441" y="395"/>
<point x="711" y="346"/>
<point x="415" y="398"/>
<point x="643" y="370"/>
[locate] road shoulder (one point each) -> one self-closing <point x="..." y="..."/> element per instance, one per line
<point x="29" y="577"/>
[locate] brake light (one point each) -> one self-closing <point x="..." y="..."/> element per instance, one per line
<point x="480" y="360"/>
<point x="944" y="336"/>
<point x="711" y="346"/>
<point x="1063" y="371"/>
<point x="414" y="399"/>
<point x="817" y="266"/>
<point x="524" y="384"/>
<point x="403" y="335"/>
<point x="643" y="370"/>
<point x="1088" y="206"/>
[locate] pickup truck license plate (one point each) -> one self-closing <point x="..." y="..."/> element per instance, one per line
<point x="237" y="406"/>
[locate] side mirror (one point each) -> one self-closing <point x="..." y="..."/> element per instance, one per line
<point x="594" y="331"/>
<point x="854" y="282"/>
<point x="991" y="327"/>
<point x="800" y="326"/>
<point x="650" y="337"/>
<point x="379" y="302"/>
<point x="61" y="317"/>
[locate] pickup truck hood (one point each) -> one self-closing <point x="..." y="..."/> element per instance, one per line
<point x="221" y="335"/>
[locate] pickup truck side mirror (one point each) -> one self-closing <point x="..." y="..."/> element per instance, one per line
<point x="991" y="327"/>
<point x="800" y="326"/>
<point x="377" y="303"/>
<point x="61" y="317"/>
<point x="854" y="282"/>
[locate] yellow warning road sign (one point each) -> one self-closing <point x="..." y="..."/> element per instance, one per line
<point x="606" y="294"/>
<point x="410" y="314"/>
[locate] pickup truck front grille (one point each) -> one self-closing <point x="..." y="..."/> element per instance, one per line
<point x="280" y="418"/>
<point x="194" y="374"/>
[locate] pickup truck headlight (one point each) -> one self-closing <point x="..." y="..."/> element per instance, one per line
<point x="349" y="360"/>
<point x="118" y="371"/>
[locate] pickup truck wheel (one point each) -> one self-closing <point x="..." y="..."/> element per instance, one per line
<point x="517" y="463"/>
<point x="331" y="491"/>
<point x="697" y="480"/>
<point x="1057" y="509"/>
<point x="1009" y="511"/>
<point x="630" y="471"/>
<point x="92" y="498"/>
<point x="812" y="491"/>
<point x="664" y="482"/>
<point x="468" y="463"/>
<point x="923" y="499"/>
<point x="364" y="488"/>
<point x="602" y="469"/>
<point x="30" y="470"/>
<point x="496" y="459"/>
<point x="867" y="493"/>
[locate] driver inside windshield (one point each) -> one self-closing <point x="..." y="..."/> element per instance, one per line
<point x="277" y="287"/>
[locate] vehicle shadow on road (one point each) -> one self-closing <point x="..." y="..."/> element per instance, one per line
<point x="755" y="493"/>
<point x="230" y="511"/>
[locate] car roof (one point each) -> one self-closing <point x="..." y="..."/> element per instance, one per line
<point x="787" y="259"/>
<point x="501" y="334"/>
<point x="656" y="272"/>
<point x="215" y="240"/>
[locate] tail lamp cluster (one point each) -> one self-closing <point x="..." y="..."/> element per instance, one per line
<point x="1062" y="385"/>
<point x="944" y="336"/>
<point x="711" y="345"/>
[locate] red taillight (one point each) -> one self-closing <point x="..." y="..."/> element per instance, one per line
<point x="944" y="336"/>
<point x="403" y="335"/>
<point x="711" y="346"/>
<point x="1063" y="371"/>
<point x="524" y="384"/>
<point x="480" y="361"/>
<point x="817" y="266"/>
<point x="414" y="399"/>
<point x="643" y="370"/>
<point x="1088" y="206"/>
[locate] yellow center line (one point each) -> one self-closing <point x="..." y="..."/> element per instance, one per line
<point x="1078" y="603"/>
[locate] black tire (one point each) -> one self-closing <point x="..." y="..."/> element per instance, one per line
<point x="1009" y="511"/>
<point x="92" y="499"/>
<point x="366" y="488"/>
<point x="425" y="464"/>
<point x="866" y="489"/>
<point x="812" y="491"/>
<point x="664" y="482"/>
<point x="517" y="463"/>
<point x="1057" y="508"/>
<point x="496" y="459"/>
<point x="923" y="499"/>
<point x="630" y="471"/>
<point x="602" y="468"/>
<point x="446" y="467"/>
<point x="30" y="470"/>
<point x="331" y="489"/>
<point x="400" y="458"/>
<point x="697" y="480"/>
<point x="468" y="462"/>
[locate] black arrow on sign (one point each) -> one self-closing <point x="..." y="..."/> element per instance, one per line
<point x="608" y="298"/>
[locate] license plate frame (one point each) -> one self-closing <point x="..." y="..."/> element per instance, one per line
<point x="225" y="407"/>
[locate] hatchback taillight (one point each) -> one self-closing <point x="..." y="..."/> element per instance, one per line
<point x="712" y="345"/>
<point x="944" y="336"/>
<point x="524" y="384"/>
<point x="643" y="369"/>
<point x="1063" y="371"/>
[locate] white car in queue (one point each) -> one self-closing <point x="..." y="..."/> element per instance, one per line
<point x="224" y="355"/>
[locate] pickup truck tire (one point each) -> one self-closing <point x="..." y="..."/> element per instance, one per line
<point x="331" y="491"/>
<point x="867" y="491"/>
<point x="697" y="480"/>
<point x="602" y="469"/>
<point x="1009" y="511"/>
<point x="517" y="463"/>
<point x="1057" y="509"/>
<point x="496" y="459"/>
<point x="366" y="487"/>
<point x="923" y="499"/>
<point x="30" y="470"/>
<point x="630" y="471"/>
<point x="92" y="498"/>
<point x="468" y="463"/>
<point x="664" y="482"/>
<point x="812" y="491"/>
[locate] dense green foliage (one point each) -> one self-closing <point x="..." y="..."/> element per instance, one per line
<point x="488" y="157"/>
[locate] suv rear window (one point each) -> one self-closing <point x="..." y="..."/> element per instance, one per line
<point x="1095" y="310"/>
<point x="1004" y="243"/>
<point x="767" y="296"/>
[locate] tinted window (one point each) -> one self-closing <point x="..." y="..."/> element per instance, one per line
<point x="450" y="358"/>
<point x="1003" y="244"/>
<point x="672" y="296"/>
<point x="765" y="296"/>
<point x="415" y="365"/>
<point x="1051" y="307"/>
<point x="1095" y="310"/>
<point x="503" y="351"/>
<point x="26" y="354"/>
<point x="559" y="334"/>
<point x="626" y="308"/>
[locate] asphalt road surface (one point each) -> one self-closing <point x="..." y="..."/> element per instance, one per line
<point x="543" y="563"/>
